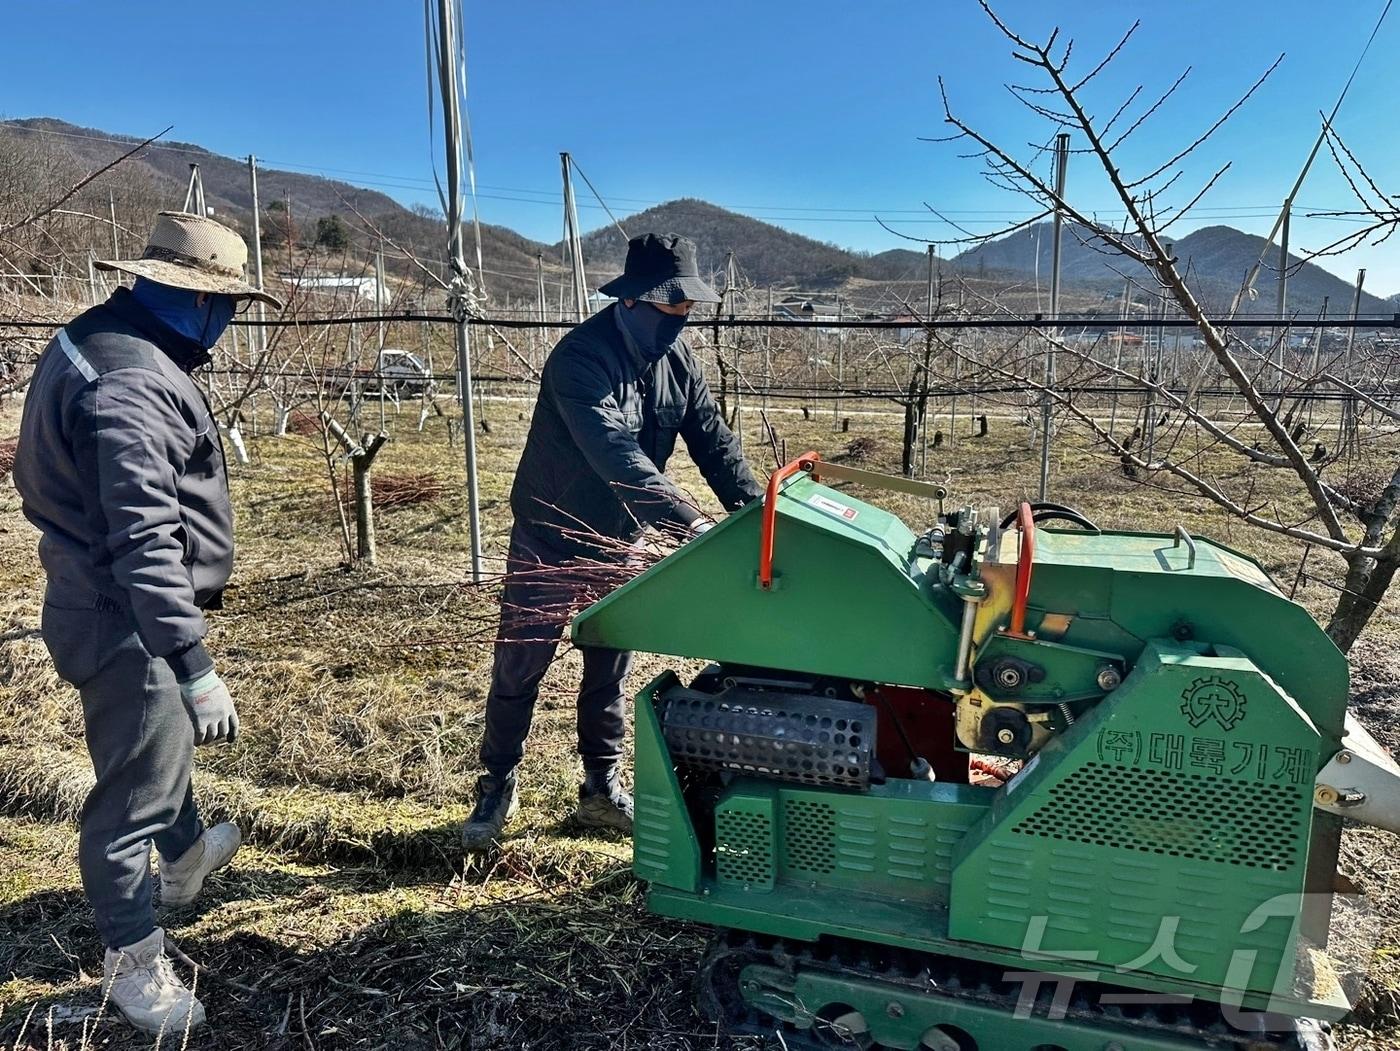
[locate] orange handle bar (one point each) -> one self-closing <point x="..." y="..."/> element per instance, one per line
<point x="1025" y="557"/>
<point x="805" y="462"/>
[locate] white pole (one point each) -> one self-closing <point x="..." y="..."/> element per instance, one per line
<point x="112" y="213"/>
<point x="1282" y="299"/>
<point x="449" y="45"/>
<point x="768" y="354"/>
<point x="379" y="313"/>
<point x="1046" y="404"/>
<point x="575" y="240"/>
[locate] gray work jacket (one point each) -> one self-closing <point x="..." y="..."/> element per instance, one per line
<point x="121" y="467"/>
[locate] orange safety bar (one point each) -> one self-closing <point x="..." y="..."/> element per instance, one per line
<point x="806" y="462"/>
<point x="1025" y="557"/>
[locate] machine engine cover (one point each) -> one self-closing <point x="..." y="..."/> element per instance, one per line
<point x="792" y="737"/>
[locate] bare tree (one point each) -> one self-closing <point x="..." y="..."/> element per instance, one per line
<point x="1362" y="530"/>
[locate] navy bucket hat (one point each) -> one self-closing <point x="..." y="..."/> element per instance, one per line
<point x="660" y="268"/>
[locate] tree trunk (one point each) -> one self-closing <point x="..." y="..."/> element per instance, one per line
<point x="240" y="448"/>
<point x="723" y="398"/>
<point x="1366" y="583"/>
<point x="911" y="429"/>
<point x="364" y="512"/>
<point x="361" y="460"/>
<point x="1368" y="578"/>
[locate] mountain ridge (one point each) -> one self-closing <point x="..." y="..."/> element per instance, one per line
<point x="1214" y="260"/>
<point x="766" y="254"/>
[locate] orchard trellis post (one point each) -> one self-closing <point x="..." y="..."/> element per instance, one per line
<point x="450" y="58"/>
<point x="1046" y="399"/>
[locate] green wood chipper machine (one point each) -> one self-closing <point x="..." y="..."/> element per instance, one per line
<point x="1004" y="785"/>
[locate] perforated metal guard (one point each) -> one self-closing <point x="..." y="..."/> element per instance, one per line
<point x="809" y="829"/>
<point x="1253" y="824"/>
<point x="744" y="848"/>
<point x="811" y="740"/>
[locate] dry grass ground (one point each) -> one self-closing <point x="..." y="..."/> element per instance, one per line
<point x="350" y="920"/>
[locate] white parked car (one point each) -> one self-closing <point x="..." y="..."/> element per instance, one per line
<point x="402" y="373"/>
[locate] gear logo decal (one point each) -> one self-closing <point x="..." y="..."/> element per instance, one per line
<point x="1213" y="699"/>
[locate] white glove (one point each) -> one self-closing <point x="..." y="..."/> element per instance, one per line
<point x="210" y="707"/>
<point x="701" y="525"/>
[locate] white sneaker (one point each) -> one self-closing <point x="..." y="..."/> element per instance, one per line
<point x="181" y="880"/>
<point x="139" y="982"/>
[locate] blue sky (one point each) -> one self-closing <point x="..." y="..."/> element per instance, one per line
<point x="808" y="115"/>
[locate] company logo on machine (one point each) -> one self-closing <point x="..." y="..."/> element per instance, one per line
<point x="1213" y="698"/>
<point x="831" y="507"/>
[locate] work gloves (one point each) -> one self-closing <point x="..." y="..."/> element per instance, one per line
<point x="211" y="709"/>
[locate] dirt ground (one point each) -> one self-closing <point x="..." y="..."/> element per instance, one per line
<point x="350" y="920"/>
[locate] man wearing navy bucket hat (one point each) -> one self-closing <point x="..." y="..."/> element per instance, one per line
<point x="616" y="393"/>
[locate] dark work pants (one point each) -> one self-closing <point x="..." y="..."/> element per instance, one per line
<point x="534" y="610"/>
<point x="142" y="744"/>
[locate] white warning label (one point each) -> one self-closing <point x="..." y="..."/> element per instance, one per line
<point x="831" y="507"/>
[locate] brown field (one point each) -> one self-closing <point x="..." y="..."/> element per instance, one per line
<point x="350" y="922"/>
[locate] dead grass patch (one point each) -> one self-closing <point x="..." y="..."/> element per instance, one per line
<point x="361" y="694"/>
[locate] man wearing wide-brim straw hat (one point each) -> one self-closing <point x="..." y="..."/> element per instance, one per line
<point x="194" y="253"/>
<point x="120" y="467"/>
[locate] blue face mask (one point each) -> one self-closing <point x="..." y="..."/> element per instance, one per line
<point x="180" y="310"/>
<point x="654" y="331"/>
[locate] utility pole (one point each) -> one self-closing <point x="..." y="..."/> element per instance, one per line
<point x="379" y="314"/>
<point x="538" y="350"/>
<point x="1149" y="423"/>
<point x="257" y="248"/>
<point x="1317" y="340"/>
<point x="574" y="239"/>
<point x="112" y="213"/>
<point x="194" y="192"/>
<point x="957" y="380"/>
<point x="730" y="283"/>
<point x="767" y="355"/>
<point x="1124" y="313"/>
<point x="1046" y="402"/>
<point x="1350" y="433"/>
<point x="1282" y="297"/>
<point x="379" y="291"/>
<point x="840" y="366"/>
<point x="1351" y="332"/>
<point x="447" y="66"/>
<point x="921" y="417"/>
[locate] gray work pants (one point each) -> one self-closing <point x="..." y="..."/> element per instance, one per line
<point x="141" y="743"/>
<point x="534" y="610"/>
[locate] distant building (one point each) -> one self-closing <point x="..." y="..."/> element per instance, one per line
<point x="796" y="309"/>
<point x="355" y="287"/>
<point x="911" y="327"/>
<point x="807" y="310"/>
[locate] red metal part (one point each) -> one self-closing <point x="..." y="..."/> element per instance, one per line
<point x="806" y="462"/>
<point x="993" y="772"/>
<point x="927" y="720"/>
<point x="1025" y="558"/>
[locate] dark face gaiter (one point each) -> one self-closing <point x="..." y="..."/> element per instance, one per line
<point x="654" y="331"/>
<point x="181" y="310"/>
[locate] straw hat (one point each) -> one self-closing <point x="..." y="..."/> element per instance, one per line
<point x="190" y="251"/>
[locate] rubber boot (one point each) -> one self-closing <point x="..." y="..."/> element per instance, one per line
<point x="182" y="879"/>
<point x="140" y="983"/>
<point x="496" y="803"/>
<point x="602" y="803"/>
